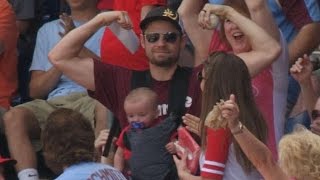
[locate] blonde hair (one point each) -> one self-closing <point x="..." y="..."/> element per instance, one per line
<point x="299" y="154"/>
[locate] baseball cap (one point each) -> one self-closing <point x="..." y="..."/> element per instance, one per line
<point x="161" y="13"/>
<point x="7" y="161"/>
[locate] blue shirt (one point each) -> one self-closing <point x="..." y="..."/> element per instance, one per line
<point x="47" y="37"/>
<point x="91" y="171"/>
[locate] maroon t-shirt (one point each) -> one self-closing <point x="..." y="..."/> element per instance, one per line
<point x="113" y="83"/>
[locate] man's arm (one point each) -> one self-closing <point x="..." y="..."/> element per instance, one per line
<point x="305" y="41"/>
<point x="43" y="82"/>
<point x="64" y="56"/>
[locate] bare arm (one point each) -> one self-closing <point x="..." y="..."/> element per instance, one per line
<point x="305" y="42"/>
<point x="64" y="56"/>
<point x="200" y="38"/>
<point x="258" y="153"/>
<point x="301" y="71"/>
<point x="264" y="49"/>
<point x="43" y="82"/>
<point x="261" y="14"/>
<point x="118" y="159"/>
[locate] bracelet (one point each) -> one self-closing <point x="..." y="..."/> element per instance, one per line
<point x="238" y="130"/>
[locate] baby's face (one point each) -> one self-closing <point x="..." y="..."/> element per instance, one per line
<point x="140" y="111"/>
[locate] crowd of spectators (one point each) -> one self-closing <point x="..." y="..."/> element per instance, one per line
<point x="69" y="82"/>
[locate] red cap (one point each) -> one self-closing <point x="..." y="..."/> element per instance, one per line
<point x="7" y="161"/>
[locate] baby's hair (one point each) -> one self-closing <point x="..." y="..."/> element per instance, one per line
<point x="143" y="92"/>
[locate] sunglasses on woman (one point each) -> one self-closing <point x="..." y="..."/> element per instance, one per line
<point x="169" y="37"/>
<point x="200" y="77"/>
<point x="315" y="114"/>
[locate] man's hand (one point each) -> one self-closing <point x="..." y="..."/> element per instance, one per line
<point x="192" y="123"/>
<point x="121" y="17"/>
<point x="67" y="24"/>
<point x="302" y="69"/>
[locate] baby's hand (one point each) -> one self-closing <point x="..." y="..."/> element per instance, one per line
<point x="171" y="148"/>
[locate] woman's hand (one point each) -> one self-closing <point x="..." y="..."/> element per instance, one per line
<point x="192" y="123"/>
<point x="181" y="165"/>
<point x="230" y="112"/>
<point x="205" y="18"/>
<point x="302" y="69"/>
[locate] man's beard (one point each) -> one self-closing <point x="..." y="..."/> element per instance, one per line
<point x="169" y="62"/>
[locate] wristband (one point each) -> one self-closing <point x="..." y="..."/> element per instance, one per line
<point x="238" y="130"/>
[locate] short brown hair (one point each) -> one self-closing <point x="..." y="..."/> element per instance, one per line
<point x="68" y="138"/>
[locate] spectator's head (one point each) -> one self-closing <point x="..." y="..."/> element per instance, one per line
<point x="230" y="31"/>
<point x="141" y="107"/>
<point x="224" y="74"/>
<point x="299" y="154"/>
<point x="67" y="139"/>
<point x="5" y="162"/>
<point x="81" y="4"/>
<point x="162" y="37"/>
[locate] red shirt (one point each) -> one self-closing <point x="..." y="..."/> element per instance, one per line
<point x="112" y="84"/>
<point x="113" y="51"/>
<point x="8" y="59"/>
<point x="105" y="4"/>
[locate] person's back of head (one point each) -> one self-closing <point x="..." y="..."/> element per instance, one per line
<point x="299" y="154"/>
<point x="226" y="74"/>
<point x="68" y="138"/>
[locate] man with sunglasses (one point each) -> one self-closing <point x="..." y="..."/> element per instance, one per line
<point x="301" y="71"/>
<point x="162" y="38"/>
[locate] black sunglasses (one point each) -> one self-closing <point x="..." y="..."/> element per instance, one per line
<point x="169" y="37"/>
<point x="200" y="77"/>
<point x="315" y="114"/>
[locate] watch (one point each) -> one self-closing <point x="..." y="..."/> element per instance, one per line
<point x="238" y="129"/>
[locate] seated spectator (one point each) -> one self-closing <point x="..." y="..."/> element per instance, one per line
<point x="8" y="54"/>
<point x="301" y="71"/>
<point x="68" y="146"/>
<point x="3" y="163"/>
<point x="51" y="90"/>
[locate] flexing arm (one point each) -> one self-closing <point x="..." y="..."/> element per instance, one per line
<point x="258" y="153"/>
<point x="200" y="38"/>
<point x="301" y="71"/>
<point x="64" y="56"/>
<point x="261" y="14"/>
<point x="305" y="42"/>
<point x="264" y="49"/>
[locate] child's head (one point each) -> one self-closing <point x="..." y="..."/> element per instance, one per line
<point x="141" y="106"/>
